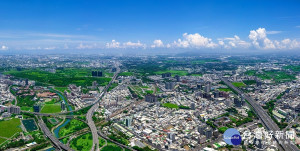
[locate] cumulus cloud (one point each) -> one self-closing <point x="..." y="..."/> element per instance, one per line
<point x="157" y="43"/>
<point x="194" y="41"/>
<point x="260" y="40"/>
<point x="233" y="42"/>
<point x="4" y="47"/>
<point x="129" y="44"/>
<point x="113" y="44"/>
<point x="83" y="46"/>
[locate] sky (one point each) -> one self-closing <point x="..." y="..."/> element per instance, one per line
<point x="247" y="25"/>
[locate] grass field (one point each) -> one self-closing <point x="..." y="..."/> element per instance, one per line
<point x="62" y="78"/>
<point x="275" y="75"/>
<point x="82" y="143"/>
<point x="204" y="61"/>
<point x="126" y="74"/>
<point x="293" y="68"/>
<point x="111" y="147"/>
<point x="62" y="89"/>
<point x="51" y="108"/>
<point x="196" y="74"/>
<point x="174" y="72"/>
<point x="170" y="105"/>
<point x="26" y="108"/>
<point x="238" y="84"/>
<point x="10" y="127"/>
<point x="225" y="89"/>
<point x="2" y="140"/>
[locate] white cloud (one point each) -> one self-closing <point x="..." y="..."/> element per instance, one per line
<point x="233" y="42"/>
<point x="260" y="40"/>
<point x="157" y="43"/>
<point x="113" y="44"/>
<point x="194" y="41"/>
<point x="273" y="32"/>
<point x="82" y="46"/>
<point x="130" y="44"/>
<point x="4" y="47"/>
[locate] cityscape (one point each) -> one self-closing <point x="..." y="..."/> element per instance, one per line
<point x="94" y="76"/>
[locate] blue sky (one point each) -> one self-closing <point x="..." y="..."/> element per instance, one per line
<point x="165" y="24"/>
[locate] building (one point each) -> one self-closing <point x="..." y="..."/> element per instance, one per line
<point x="177" y="77"/>
<point x="63" y="105"/>
<point x="128" y="121"/>
<point x="169" y="85"/>
<point x="208" y="133"/>
<point x="238" y="102"/>
<point x="97" y="73"/>
<point x="171" y="136"/>
<point x="37" y="108"/>
<point x="201" y="129"/>
<point x="166" y="75"/>
<point x="193" y="106"/>
<point x="14" y="109"/>
<point x="150" y="98"/>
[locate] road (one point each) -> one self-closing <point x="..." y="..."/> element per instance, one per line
<point x="59" y="145"/>
<point x="90" y="113"/>
<point x="265" y="118"/>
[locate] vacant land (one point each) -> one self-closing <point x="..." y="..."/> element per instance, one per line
<point x="170" y="105"/>
<point x="10" y="127"/>
<point x="51" y="108"/>
<point x="83" y="142"/>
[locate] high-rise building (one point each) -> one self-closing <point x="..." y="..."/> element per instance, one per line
<point x="208" y="133"/>
<point x="37" y="108"/>
<point x="171" y="136"/>
<point x="177" y="77"/>
<point x="150" y="98"/>
<point x="201" y="129"/>
<point x="238" y="102"/>
<point x="128" y="121"/>
<point x="166" y="75"/>
<point x="169" y="85"/>
<point x="14" y="109"/>
<point x="63" y="105"/>
<point x="97" y="73"/>
<point x="193" y="106"/>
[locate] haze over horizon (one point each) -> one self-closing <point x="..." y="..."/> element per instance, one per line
<point x="149" y="26"/>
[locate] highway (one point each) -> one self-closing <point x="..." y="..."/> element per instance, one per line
<point x="90" y="113"/>
<point x="265" y="118"/>
<point x="59" y="145"/>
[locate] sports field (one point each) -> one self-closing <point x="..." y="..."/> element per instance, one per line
<point x="51" y="108"/>
<point x="10" y="127"/>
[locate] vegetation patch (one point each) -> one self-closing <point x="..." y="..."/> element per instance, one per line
<point x="83" y="142"/>
<point x="51" y="108"/>
<point x="170" y="105"/>
<point x="71" y="127"/>
<point x="173" y="72"/>
<point x="10" y="127"/>
<point x="238" y="84"/>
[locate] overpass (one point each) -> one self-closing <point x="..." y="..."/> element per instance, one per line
<point x="90" y="113"/>
<point x="265" y="118"/>
<point x="59" y="145"/>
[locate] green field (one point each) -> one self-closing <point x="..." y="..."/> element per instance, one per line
<point x="10" y="127"/>
<point x="2" y="140"/>
<point x="293" y="68"/>
<point x="196" y="74"/>
<point x="111" y="147"/>
<point x="62" y="89"/>
<point x="82" y="143"/>
<point x="51" y="108"/>
<point x="204" y="61"/>
<point x="170" y="105"/>
<point x="224" y="89"/>
<point x="72" y="126"/>
<point x="249" y="82"/>
<point x="26" y="108"/>
<point x="275" y="75"/>
<point x="113" y="85"/>
<point x="238" y="84"/>
<point x="126" y="74"/>
<point x="174" y="72"/>
<point x="62" y="78"/>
